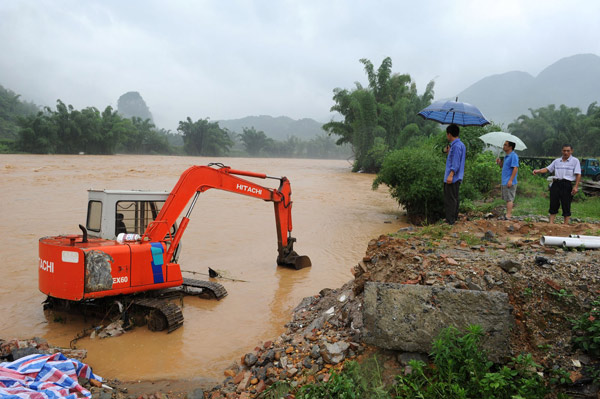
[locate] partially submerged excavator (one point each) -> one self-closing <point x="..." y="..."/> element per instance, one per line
<point x="127" y="254"/>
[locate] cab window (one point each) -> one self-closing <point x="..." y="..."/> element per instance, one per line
<point x="134" y="216"/>
<point x="94" y="216"/>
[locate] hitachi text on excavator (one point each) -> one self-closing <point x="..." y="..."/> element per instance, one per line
<point x="128" y="250"/>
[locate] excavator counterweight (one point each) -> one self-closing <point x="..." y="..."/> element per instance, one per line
<point x="130" y="243"/>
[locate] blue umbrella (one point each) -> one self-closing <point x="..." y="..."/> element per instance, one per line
<point x="447" y="112"/>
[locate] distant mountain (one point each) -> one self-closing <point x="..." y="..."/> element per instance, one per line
<point x="573" y="81"/>
<point x="278" y="128"/>
<point x="132" y="104"/>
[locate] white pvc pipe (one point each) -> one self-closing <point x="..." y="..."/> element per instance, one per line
<point x="571" y="242"/>
<point x="577" y="242"/>
<point x="551" y="240"/>
<point x="584" y="237"/>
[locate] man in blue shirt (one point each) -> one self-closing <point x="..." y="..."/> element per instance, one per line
<point x="510" y="170"/>
<point x="453" y="176"/>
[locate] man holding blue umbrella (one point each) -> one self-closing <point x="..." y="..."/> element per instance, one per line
<point x="454" y="113"/>
<point x="455" y="170"/>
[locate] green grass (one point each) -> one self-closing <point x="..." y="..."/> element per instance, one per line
<point x="533" y="198"/>
<point x="582" y="207"/>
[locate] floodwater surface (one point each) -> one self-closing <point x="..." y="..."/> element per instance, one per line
<point x="335" y="214"/>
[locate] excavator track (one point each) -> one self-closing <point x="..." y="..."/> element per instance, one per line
<point x="162" y="315"/>
<point x="201" y="287"/>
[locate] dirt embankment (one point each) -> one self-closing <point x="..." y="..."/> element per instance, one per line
<point x="547" y="287"/>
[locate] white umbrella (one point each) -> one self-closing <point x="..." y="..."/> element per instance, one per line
<point x="497" y="139"/>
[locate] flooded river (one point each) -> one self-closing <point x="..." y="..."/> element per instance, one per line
<point x="335" y="214"/>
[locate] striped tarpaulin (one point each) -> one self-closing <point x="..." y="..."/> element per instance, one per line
<point x="44" y="377"/>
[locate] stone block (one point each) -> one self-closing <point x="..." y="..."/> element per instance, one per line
<point x="410" y="317"/>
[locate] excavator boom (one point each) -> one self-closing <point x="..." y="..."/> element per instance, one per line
<point x="198" y="179"/>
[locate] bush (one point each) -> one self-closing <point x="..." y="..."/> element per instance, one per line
<point x="587" y="330"/>
<point x="375" y="156"/>
<point x="414" y="177"/>
<point x="462" y="370"/>
<point x="482" y="175"/>
<point x="5" y="146"/>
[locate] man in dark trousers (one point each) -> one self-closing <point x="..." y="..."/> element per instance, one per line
<point x="566" y="171"/>
<point x="455" y="170"/>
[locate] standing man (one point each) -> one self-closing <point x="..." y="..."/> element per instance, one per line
<point x="510" y="170"/>
<point x="455" y="170"/>
<point x="566" y="171"/>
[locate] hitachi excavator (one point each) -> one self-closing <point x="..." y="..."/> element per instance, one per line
<point x="128" y="250"/>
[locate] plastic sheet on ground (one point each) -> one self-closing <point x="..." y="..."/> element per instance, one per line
<point x="44" y="377"/>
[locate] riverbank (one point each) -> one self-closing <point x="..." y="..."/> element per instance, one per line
<point x="547" y="287"/>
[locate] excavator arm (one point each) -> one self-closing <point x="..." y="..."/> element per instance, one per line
<point x="198" y="179"/>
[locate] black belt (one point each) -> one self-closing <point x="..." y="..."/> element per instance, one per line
<point x="570" y="181"/>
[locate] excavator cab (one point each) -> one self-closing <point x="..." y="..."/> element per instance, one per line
<point x="112" y="212"/>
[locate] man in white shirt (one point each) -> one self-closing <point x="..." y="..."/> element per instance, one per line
<point x="566" y="171"/>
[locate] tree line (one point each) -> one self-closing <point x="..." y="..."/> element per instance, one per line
<point x="66" y="130"/>
<point x="547" y="129"/>
<point x="376" y="119"/>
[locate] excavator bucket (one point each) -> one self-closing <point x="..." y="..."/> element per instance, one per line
<point x="290" y="258"/>
<point x="294" y="260"/>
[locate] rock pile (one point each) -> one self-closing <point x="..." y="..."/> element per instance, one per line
<point x="323" y="333"/>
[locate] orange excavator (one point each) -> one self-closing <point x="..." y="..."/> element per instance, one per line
<point x="128" y="251"/>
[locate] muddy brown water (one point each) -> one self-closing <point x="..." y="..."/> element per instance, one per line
<point x="335" y="214"/>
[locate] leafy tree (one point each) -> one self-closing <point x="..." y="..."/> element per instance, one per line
<point x="384" y="115"/>
<point x="548" y="128"/>
<point x="323" y="147"/>
<point x="204" y="138"/>
<point x="38" y="135"/>
<point x="11" y="109"/>
<point x="254" y="141"/>
<point x="590" y="138"/>
<point x="114" y="130"/>
<point x="284" y="149"/>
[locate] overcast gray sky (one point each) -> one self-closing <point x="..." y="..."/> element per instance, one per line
<point x="227" y="59"/>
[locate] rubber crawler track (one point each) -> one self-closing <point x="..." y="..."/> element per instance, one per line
<point x="171" y="311"/>
<point x="216" y="289"/>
